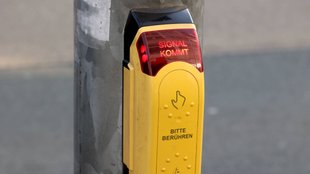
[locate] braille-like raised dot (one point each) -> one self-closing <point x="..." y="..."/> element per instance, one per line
<point x="163" y="169"/>
<point x="188" y="113"/>
<point x="189" y="167"/>
<point x="170" y="115"/>
<point x="185" y="158"/>
<point x="177" y="154"/>
<point x="168" y="160"/>
<point x="166" y="107"/>
<point x="192" y="104"/>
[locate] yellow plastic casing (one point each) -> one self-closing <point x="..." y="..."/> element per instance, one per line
<point x="163" y="115"/>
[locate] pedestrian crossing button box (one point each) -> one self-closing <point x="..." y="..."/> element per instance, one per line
<point x="163" y="93"/>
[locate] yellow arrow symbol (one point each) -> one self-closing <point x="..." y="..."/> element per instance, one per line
<point x="177" y="171"/>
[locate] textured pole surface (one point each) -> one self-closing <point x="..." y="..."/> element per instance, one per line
<point x="98" y="77"/>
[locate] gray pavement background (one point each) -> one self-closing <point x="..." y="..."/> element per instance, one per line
<point x="258" y="117"/>
<point x="258" y="97"/>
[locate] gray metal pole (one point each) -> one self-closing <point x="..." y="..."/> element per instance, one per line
<point x="98" y="58"/>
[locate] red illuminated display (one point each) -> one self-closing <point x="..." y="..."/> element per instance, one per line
<point x="159" y="48"/>
<point x="172" y="44"/>
<point x="143" y="54"/>
<point x="173" y="48"/>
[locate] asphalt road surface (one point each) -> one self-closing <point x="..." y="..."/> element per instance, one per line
<point x="258" y="87"/>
